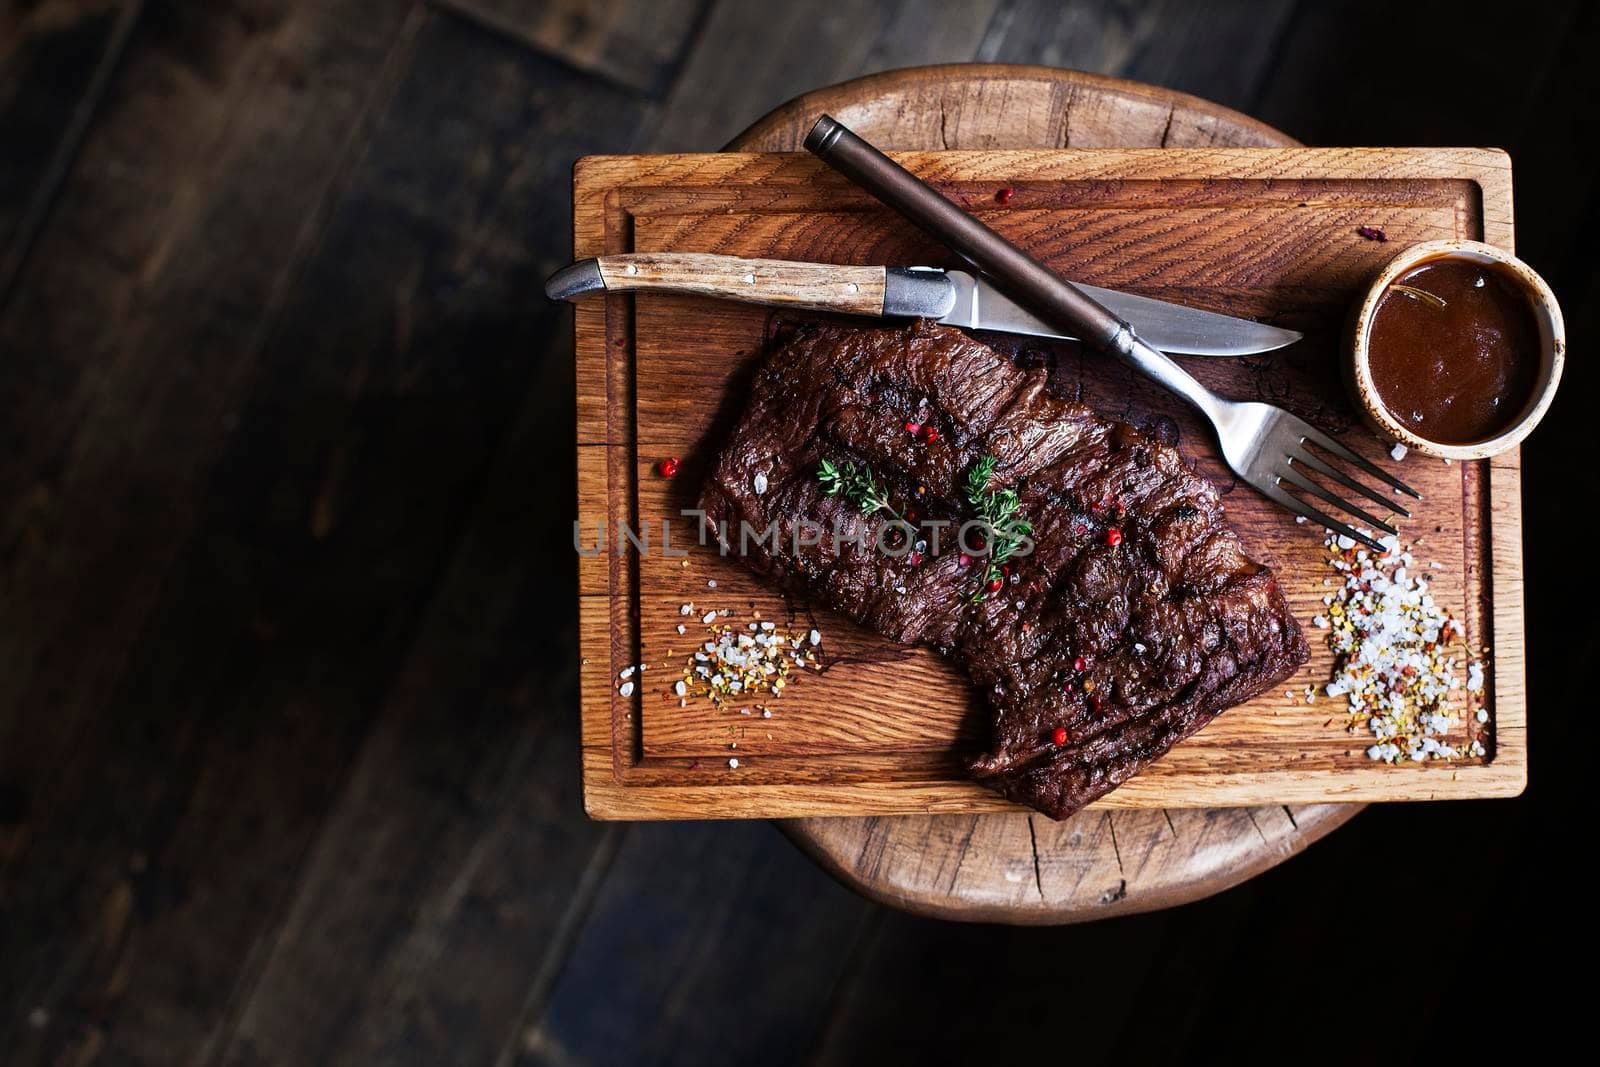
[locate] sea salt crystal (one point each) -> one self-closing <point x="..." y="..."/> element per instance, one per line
<point x="682" y="628"/>
<point x="1397" y="683"/>
<point x="708" y="618"/>
<point x="816" y="637"/>
<point x="626" y="689"/>
<point x="627" y="672"/>
<point x="1398" y="451"/>
<point x="760" y="481"/>
<point x="679" y="689"/>
<point x="733" y="764"/>
<point x="1483" y="715"/>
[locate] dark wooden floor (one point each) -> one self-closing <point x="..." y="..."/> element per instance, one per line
<point x="288" y="754"/>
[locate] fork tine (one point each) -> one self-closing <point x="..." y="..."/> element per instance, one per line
<point x="1328" y="444"/>
<point x="1276" y="492"/>
<point x="1312" y="487"/>
<point x="1345" y="480"/>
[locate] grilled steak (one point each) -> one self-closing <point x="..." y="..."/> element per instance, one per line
<point x="1135" y="619"/>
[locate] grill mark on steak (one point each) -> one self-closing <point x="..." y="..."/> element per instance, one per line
<point x="1213" y="625"/>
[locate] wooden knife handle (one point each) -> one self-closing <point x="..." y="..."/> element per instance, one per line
<point x="819" y="286"/>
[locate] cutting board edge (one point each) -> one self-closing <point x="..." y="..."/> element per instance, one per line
<point x="607" y="798"/>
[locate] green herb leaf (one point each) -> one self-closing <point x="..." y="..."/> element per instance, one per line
<point x="1001" y="511"/>
<point x="857" y="485"/>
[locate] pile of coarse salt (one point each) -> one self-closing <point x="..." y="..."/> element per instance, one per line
<point x="1393" y="664"/>
<point x="738" y="664"/>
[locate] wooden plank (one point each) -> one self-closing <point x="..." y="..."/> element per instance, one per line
<point x="932" y="32"/>
<point x="55" y="61"/>
<point x="1160" y="221"/>
<point x="796" y="48"/>
<point x="300" y="572"/>
<point x="456" y="863"/>
<point x="419" y="575"/>
<point x="131" y="691"/>
<point x="1217" y="53"/>
<point x="1324" y="47"/>
<point x="146" y="213"/>
<point x="1196" y="956"/>
<point x="732" y="948"/>
<point x="940" y="992"/>
<point x="637" y="45"/>
<point x="1215" y="50"/>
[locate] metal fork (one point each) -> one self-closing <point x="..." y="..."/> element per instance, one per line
<point x="1271" y="448"/>
<point x="1265" y="445"/>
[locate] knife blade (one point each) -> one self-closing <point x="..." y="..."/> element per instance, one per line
<point x="952" y="297"/>
<point x="1170" y="327"/>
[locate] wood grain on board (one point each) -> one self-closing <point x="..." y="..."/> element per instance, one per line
<point x="1267" y="232"/>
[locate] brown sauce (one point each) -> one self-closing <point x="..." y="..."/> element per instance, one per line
<point x="1460" y="372"/>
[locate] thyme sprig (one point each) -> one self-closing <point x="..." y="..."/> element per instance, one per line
<point x="1001" y="511"/>
<point x="858" y="485"/>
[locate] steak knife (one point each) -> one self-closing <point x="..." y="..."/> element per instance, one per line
<point x="952" y="297"/>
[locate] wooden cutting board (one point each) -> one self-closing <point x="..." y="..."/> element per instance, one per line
<point x="1267" y="233"/>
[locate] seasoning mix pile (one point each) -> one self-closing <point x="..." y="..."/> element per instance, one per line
<point x="737" y="666"/>
<point x="1394" y="664"/>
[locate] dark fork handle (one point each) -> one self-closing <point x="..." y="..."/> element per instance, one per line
<point x="1029" y="282"/>
<point x="1025" y="279"/>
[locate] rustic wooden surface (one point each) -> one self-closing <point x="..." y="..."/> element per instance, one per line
<point x="286" y="723"/>
<point x="1270" y="233"/>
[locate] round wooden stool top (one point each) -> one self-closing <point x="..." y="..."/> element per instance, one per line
<point x="1022" y="868"/>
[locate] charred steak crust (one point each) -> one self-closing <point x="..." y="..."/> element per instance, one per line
<point x="1169" y="627"/>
